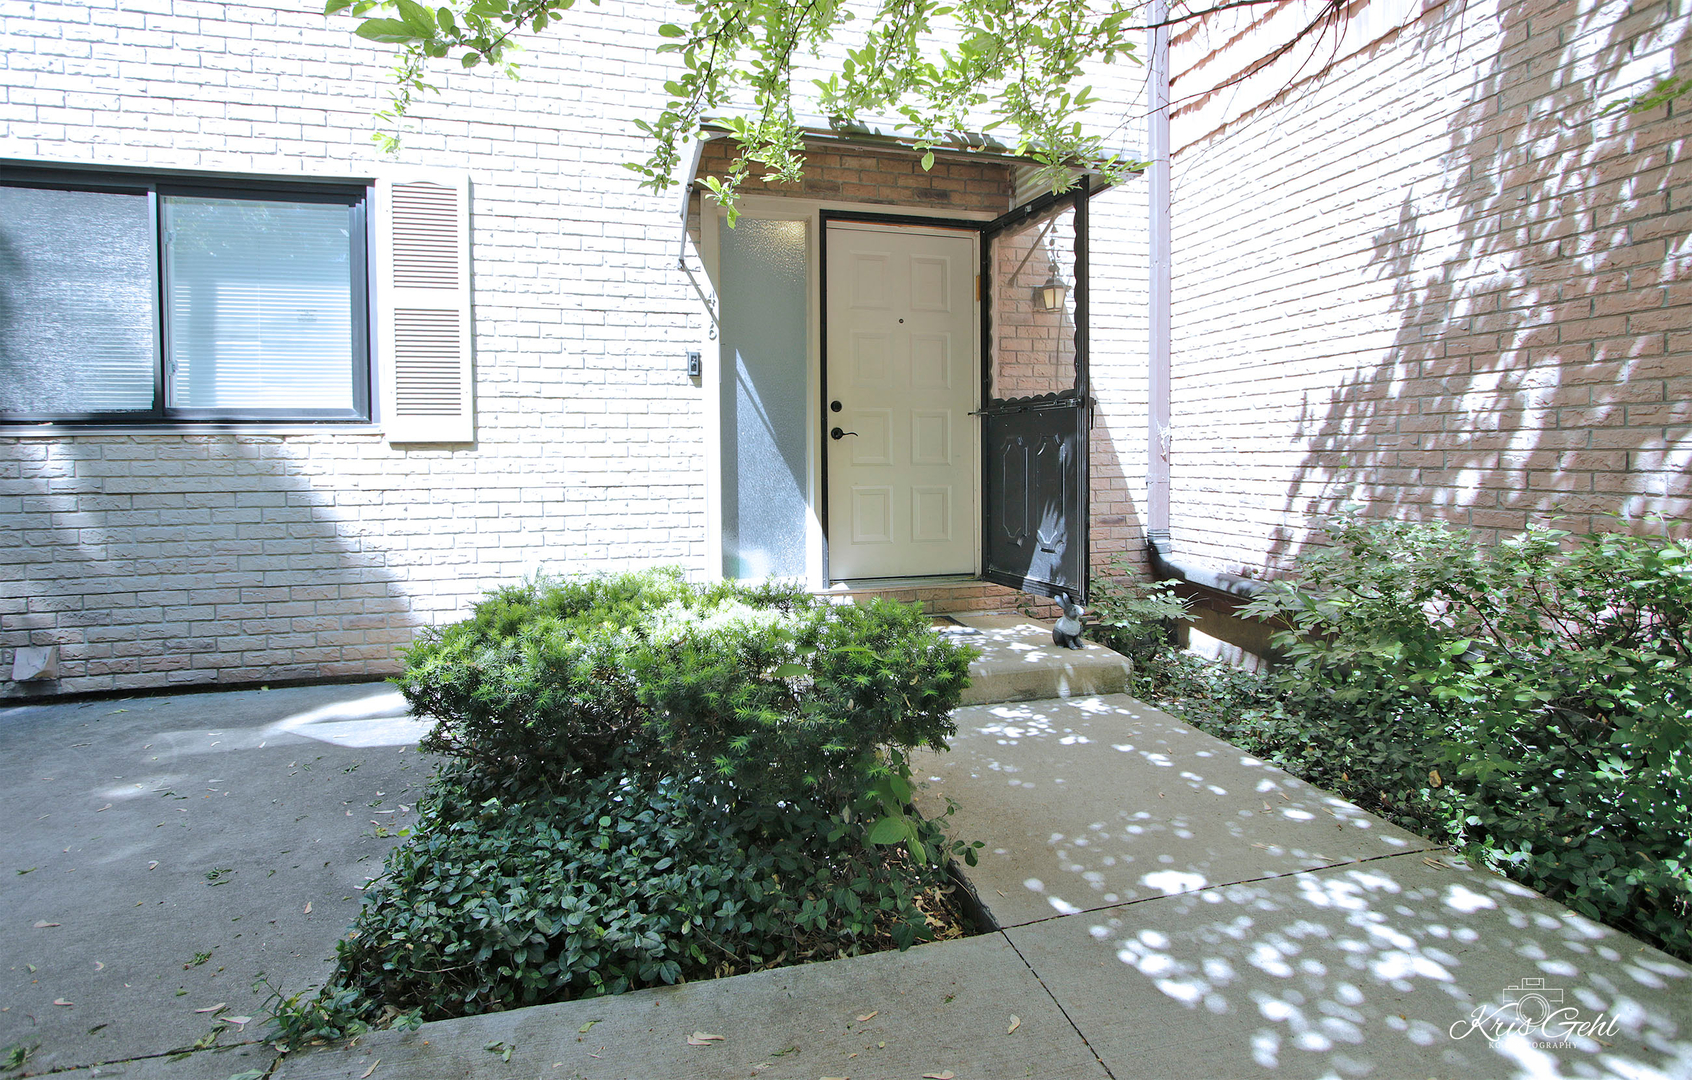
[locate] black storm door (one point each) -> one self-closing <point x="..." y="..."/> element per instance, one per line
<point x="1036" y="406"/>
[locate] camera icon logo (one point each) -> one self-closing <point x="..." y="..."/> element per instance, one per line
<point x="1533" y="1000"/>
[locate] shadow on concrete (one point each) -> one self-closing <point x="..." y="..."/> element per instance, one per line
<point x="166" y="851"/>
<point x="1198" y="912"/>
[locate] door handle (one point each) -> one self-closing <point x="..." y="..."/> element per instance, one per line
<point x="836" y="434"/>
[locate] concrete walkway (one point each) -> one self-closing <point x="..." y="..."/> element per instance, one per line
<point x="162" y="852"/>
<point x="1167" y="906"/>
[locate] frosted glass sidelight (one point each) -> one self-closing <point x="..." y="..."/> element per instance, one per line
<point x="76" y="302"/>
<point x="765" y="406"/>
<point x="259" y="304"/>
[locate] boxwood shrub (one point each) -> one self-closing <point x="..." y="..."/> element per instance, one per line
<point x="645" y="781"/>
<point x="786" y="695"/>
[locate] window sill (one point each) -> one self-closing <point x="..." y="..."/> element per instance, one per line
<point x="64" y="431"/>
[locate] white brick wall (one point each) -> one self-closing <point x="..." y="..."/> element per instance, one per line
<point x="163" y="559"/>
<point x="158" y="559"/>
<point x="1425" y="276"/>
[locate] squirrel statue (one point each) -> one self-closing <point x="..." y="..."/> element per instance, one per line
<point x="1067" y="633"/>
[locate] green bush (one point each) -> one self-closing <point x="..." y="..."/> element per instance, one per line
<point x="1532" y="702"/>
<point x="1134" y="617"/>
<point x="783" y="694"/>
<point x="506" y="899"/>
<point x="647" y="781"/>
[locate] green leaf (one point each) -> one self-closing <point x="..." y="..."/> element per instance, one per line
<point x="928" y="161"/>
<point x="791" y="671"/>
<point x="416" y="16"/>
<point x="671" y="30"/>
<point x="336" y="5"/>
<point x="901" y="788"/>
<point x="389" y="31"/>
<point x="888" y="831"/>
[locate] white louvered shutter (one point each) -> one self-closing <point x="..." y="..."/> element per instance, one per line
<point x="423" y="309"/>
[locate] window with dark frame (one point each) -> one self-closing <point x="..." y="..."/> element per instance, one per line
<point x="128" y="300"/>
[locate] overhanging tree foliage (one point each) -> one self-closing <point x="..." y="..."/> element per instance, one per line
<point x="933" y="64"/>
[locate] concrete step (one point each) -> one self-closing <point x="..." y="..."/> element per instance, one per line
<point x="1019" y="662"/>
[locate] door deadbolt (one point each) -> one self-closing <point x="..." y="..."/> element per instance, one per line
<point x="836" y="434"/>
<point x="834" y="406"/>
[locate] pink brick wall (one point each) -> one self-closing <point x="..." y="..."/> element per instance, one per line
<point x="1416" y="270"/>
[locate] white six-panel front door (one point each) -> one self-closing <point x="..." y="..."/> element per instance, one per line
<point x="902" y="367"/>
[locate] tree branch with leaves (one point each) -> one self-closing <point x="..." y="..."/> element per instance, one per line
<point x="937" y="67"/>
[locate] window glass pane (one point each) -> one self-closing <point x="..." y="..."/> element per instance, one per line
<point x="76" y="302"/>
<point x="258" y="304"/>
<point x="765" y="411"/>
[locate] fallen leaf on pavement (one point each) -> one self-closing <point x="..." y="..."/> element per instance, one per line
<point x="62" y="1001"/>
<point x="44" y="924"/>
<point x="701" y="1038"/>
<point x="214" y="1008"/>
<point x="307" y="910"/>
<point x="583" y="1030"/>
<point x="240" y="1021"/>
<point x="1016" y="1022"/>
<point x="867" y="1017"/>
<point x="947" y="1075"/>
<point x="365" y="1075"/>
<point x="154" y="865"/>
<point x="108" y="806"/>
<point x="99" y="965"/>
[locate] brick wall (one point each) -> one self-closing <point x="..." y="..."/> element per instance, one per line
<point x="1416" y="270"/>
<point x="1033" y="349"/>
<point x="157" y="559"/>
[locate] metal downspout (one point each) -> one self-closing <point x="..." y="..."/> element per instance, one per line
<point x="1157" y="381"/>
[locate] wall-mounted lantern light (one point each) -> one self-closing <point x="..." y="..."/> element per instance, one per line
<point x="1050" y="295"/>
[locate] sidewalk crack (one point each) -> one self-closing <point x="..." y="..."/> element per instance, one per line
<point x="1072" y="1024"/>
<point x="1224" y="885"/>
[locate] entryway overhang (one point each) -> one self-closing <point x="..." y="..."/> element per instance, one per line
<point x="1025" y="429"/>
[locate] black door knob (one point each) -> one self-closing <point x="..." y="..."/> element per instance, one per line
<point x="836" y="434"/>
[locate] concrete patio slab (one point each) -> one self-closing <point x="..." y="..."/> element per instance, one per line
<point x="1379" y="969"/>
<point x="944" y="1007"/>
<point x="1090" y="802"/>
<point x="1018" y="662"/>
<point x="162" y="852"/>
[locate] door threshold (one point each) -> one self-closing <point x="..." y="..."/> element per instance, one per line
<point x="879" y="584"/>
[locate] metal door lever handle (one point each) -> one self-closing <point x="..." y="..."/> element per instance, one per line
<point x="836" y="434"/>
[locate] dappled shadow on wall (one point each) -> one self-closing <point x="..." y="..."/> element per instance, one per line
<point x="1534" y="370"/>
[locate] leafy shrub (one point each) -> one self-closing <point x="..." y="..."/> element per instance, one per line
<point x="1136" y="618"/>
<point x="647" y="781"/>
<point x="788" y="696"/>
<point x="1532" y="702"/>
<point x="505" y="898"/>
